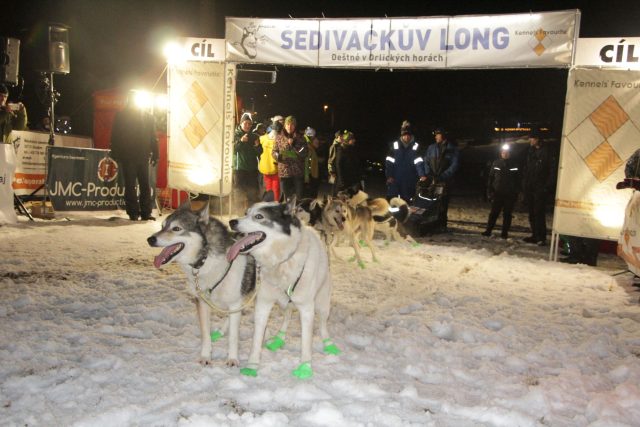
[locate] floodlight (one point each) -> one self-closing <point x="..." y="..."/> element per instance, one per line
<point x="142" y="99"/>
<point x="174" y="53"/>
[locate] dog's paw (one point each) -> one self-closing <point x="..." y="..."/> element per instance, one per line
<point x="205" y="362"/>
<point x="303" y="371"/>
<point x="232" y="363"/>
<point x="249" y="372"/>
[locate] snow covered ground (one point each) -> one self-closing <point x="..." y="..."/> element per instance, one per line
<point x="459" y="331"/>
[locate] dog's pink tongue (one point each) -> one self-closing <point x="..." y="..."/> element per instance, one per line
<point x="163" y="256"/>
<point x="234" y="250"/>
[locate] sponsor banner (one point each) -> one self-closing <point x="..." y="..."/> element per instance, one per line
<point x="82" y="179"/>
<point x="531" y="40"/>
<point x="621" y="52"/>
<point x="31" y="150"/>
<point x="601" y="131"/>
<point x="7" y="168"/>
<point x="199" y="143"/>
<point x="201" y="49"/>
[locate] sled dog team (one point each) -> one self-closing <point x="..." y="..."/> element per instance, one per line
<point x="288" y="265"/>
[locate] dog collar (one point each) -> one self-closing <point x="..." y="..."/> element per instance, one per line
<point x="199" y="263"/>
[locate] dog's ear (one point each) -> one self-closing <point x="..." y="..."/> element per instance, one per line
<point x="291" y="206"/>
<point x="203" y="213"/>
<point x="185" y="206"/>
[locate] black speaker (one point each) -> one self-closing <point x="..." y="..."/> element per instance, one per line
<point x="9" y="60"/>
<point x="59" y="49"/>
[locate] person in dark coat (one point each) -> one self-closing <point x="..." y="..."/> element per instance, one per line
<point x="349" y="171"/>
<point x="502" y="190"/>
<point x="403" y="165"/>
<point x="441" y="162"/>
<point x="134" y="145"/>
<point x="246" y="150"/>
<point x="537" y="184"/>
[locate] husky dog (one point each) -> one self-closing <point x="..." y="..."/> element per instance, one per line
<point x="199" y="243"/>
<point x="293" y="267"/>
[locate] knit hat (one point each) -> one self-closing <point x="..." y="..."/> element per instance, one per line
<point x="310" y="132"/>
<point x="535" y="133"/>
<point x="405" y="128"/>
<point x="290" y="119"/>
<point x="439" y="131"/>
<point x="246" y="117"/>
<point x="260" y="127"/>
<point x="277" y="118"/>
<point x="4" y="90"/>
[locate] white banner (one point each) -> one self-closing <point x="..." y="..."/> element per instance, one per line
<point x="523" y="40"/>
<point x="620" y="52"/>
<point x="7" y="168"/>
<point x="202" y="97"/>
<point x="200" y="49"/>
<point x="31" y="150"/>
<point x="601" y="131"/>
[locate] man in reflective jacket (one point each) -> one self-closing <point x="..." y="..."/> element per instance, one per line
<point x="403" y="165"/>
<point x="502" y="191"/>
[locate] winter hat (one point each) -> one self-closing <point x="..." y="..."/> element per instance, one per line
<point x="310" y="132"/>
<point x="260" y="127"/>
<point x="290" y="119"/>
<point x="439" y="131"/>
<point x="4" y="90"/>
<point x="405" y="128"/>
<point x="535" y="133"/>
<point x="277" y="118"/>
<point x="246" y="117"/>
<point x="347" y="136"/>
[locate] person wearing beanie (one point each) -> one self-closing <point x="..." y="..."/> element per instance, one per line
<point x="260" y="129"/>
<point x="348" y="168"/>
<point x="246" y="150"/>
<point x="441" y="162"/>
<point x="311" y="170"/>
<point x="538" y="177"/>
<point x="12" y="117"/>
<point x="267" y="165"/>
<point x="290" y="151"/>
<point x="332" y="168"/>
<point x="403" y="165"/>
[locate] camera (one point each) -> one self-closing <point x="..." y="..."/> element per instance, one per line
<point x="13" y="107"/>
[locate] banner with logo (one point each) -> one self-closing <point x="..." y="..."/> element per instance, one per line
<point x="84" y="180"/>
<point x="520" y="40"/>
<point x="7" y="168"/>
<point x="620" y="52"/>
<point x="31" y="150"/>
<point x="601" y="131"/>
<point x="200" y="49"/>
<point x="201" y="123"/>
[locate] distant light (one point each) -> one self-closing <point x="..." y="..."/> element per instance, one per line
<point x="506" y="147"/>
<point x="325" y="107"/>
<point x="175" y="53"/>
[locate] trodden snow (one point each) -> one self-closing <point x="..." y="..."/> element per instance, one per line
<point x="458" y="331"/>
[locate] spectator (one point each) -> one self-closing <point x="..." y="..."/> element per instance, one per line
<point x="331" y="161"/>
<point x="134" y="146"/>
<point x="537" y="184"/>
<point x="348" y="170"/>
<point x="267" y="165"/>
<point x="12" y="116"/>
<point x="403" y="165"/>
<point x="441" y="162"/>
<point x="246" y="150"/>
<point x="632" y="167"/>
<point x="290" y="151"/>
<point x="260" y="129"/>
<point x="311" y="173"/>
<point x="502" y="191"/>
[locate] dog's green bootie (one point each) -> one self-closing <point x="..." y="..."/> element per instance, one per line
<point x="275" y="342"/>
<point x="361" y="264"/>
<point x="330" y="347"/>
<point x="303" y="371"/>
<point x="415" y="244"/>
<point x="216" y="335"/>
<point x="249" y="372"/>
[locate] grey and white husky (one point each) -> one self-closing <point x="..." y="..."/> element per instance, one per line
<point x="293" y="268"/>
<point x="199" y="243"/>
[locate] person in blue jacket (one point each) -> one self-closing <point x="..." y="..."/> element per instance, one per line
<point x="441" y="162"/>
<point x="403" y="165"/>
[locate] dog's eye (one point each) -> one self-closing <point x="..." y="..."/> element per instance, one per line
<point x="176" y="229"/>
<point x="258" y="216"/>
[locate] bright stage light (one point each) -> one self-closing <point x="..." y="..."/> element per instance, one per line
<point x="142" y="99"/>
<point x="174" y="53"/>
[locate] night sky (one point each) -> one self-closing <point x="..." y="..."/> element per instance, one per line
<point x="118" y="43"/>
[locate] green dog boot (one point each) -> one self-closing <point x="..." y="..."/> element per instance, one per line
<point x="303" y="371"/>
<point x="276" y="342"/>
<point x="216" y="335"/>
<point x="249" y="372"/>
<point x="330" y="347"/>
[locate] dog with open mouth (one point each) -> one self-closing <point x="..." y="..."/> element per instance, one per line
<point x="293" y="268"/>
<point x="199" y="243"/>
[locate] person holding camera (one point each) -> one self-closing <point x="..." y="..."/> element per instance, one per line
<point x="12" y="116"/>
